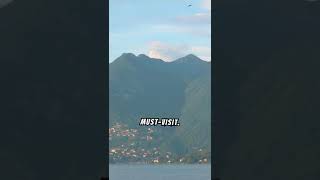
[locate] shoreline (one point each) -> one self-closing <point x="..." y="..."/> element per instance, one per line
<point x="161" y="164"/>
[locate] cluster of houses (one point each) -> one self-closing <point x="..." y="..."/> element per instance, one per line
<point x="119" y="130"/>
<point x="131" y="151"/>
<point x="153" y="155"/>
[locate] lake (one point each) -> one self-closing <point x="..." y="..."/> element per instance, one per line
<point x="159" y="172"/>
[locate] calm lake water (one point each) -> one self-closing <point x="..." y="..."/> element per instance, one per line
<point x="160" y="172"/>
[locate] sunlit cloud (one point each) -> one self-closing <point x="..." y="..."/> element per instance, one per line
<point x="167" y="52"/>
<point x="206" y="4"/>
<point x="170" y="52"/>
<point x="203" y="52"/>
<point x="173" y="35"/>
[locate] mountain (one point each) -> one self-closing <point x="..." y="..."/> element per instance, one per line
<point x="141" y="86"/>
<point x="196" y="113"/>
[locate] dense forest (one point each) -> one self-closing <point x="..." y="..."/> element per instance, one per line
<point x="141" y="87"/>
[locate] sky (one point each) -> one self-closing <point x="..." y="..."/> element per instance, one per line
<point x="164" y="29"/>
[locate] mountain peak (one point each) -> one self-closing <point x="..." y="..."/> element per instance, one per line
<point x="192" y="56"/>
<point x="189" y="58"/>
<point x="128" y="55"/>
<point x="133" y="58"/>
<point x="143" y="56"/>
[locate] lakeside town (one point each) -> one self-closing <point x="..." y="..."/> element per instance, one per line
<point x="128" y="145"/>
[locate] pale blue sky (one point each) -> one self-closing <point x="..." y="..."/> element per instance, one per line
<point x="165" y="29"/>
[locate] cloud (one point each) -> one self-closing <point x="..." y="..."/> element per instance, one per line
<point x="169" y="52"/>
<point x="198" y="18"/>
<point x="204" y="31"/>
<point x="206" y="4"/>
<point x="198" y="24"/>
<point x="203" y="52"/>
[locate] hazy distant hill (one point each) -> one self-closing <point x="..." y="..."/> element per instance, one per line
<point x="145" y="87"/>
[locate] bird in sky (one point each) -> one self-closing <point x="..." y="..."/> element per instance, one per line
<point x="189" y="5"/>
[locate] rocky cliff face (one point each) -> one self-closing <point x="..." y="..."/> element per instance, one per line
<point x="53" y="89"/>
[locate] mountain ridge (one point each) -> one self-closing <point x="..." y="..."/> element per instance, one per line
<point x="188" y="57"/>
<point x="141" y="88"/>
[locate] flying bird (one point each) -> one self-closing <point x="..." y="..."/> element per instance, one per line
<point x="189" y="5"/>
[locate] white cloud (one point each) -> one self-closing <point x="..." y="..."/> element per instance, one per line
<point x="198" y="18"/>
<point x="198" y="24"/>
<point x="206" y="4"/>
<point x="169" y="52"/>
<point x="203" y="52"/>
<point x="187" y="29"/>
<point x="167" y="28"/>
